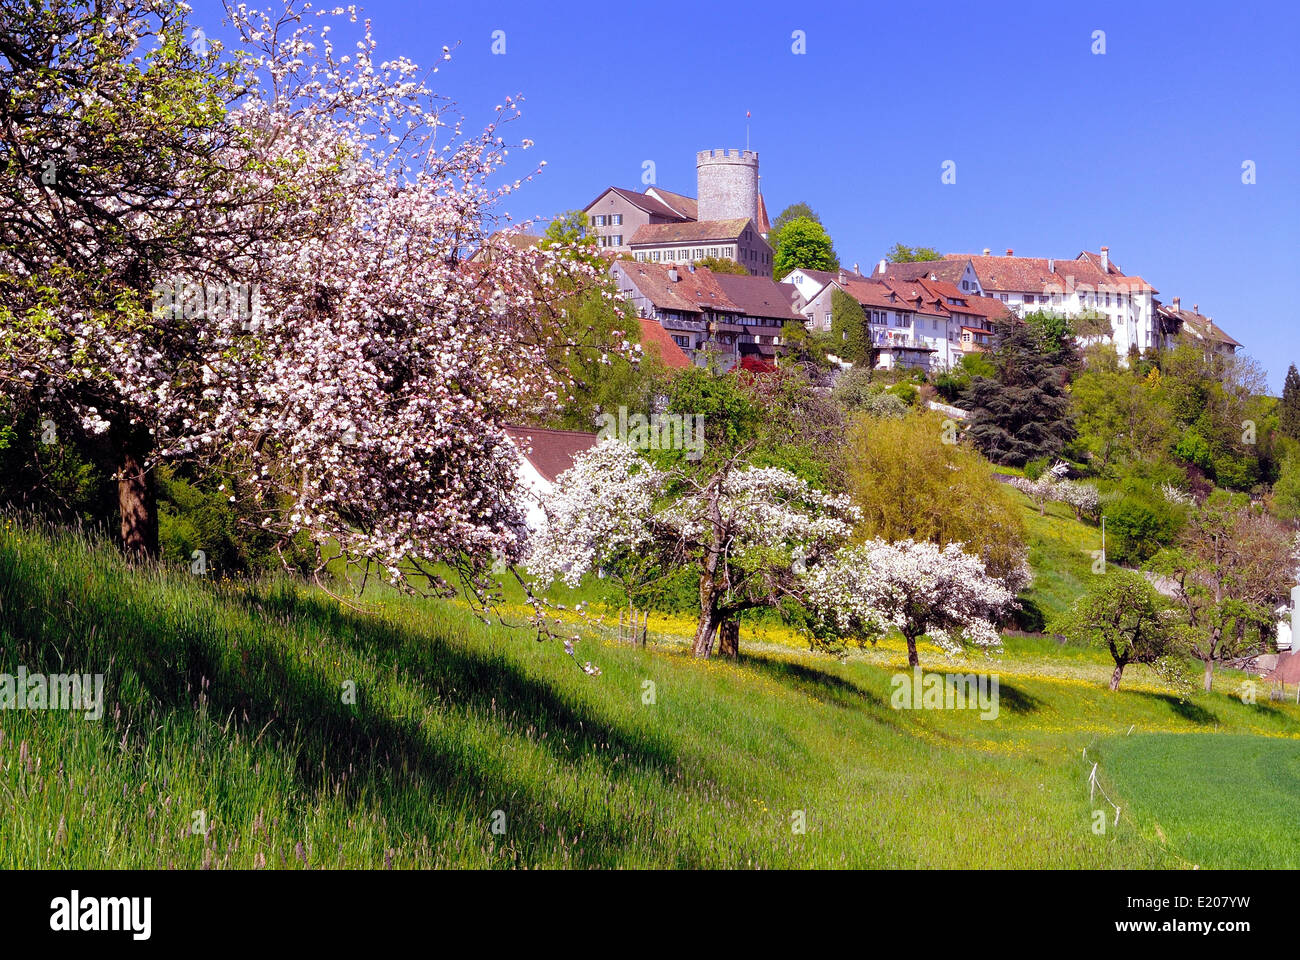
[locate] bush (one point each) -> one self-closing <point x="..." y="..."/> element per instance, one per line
<point x="906" y="392"/>
<point x="1139" y="525"/>
<point x="1036" y="468"/>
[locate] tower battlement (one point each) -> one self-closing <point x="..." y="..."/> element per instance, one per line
<point x="727" y="184"/>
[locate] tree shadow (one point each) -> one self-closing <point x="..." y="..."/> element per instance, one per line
<point x="1017" y="700"/>
<point x="812" y="681"/>
<point x="208" y="672"/>
<point x="1184" y="709"/>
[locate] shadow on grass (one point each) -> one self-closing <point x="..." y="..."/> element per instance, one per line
<point x="361" y="752"/>
<point x="810" y="680"/>
<point x="1017" y="700"/>
<point x="1184" y="709"/>
<point x="486" y="683"/>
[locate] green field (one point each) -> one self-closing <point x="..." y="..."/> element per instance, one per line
<point x="228" y="700"/>
<point x="1218" y="801"/>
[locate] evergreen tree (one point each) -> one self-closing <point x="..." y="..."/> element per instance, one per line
<point x="1024" y="412"/>
<point x="1288" y="411"/>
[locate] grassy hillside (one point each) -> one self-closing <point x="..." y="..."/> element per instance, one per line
<point x="228" y="700"/>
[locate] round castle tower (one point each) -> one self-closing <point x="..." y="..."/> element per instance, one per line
<point x="727" y="184"/>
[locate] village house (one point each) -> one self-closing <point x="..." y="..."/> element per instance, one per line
<point x="914" y="323"/>
<point x="706" y="313"/>
<point x="1195" y="328"/>
<point x="543" y="455"/>
<point x="1089" y="284"/>
<point x="727" y="220"/>
<point x="736" y="239"/>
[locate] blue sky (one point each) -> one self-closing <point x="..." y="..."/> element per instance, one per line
<point x="1057" y="149"/>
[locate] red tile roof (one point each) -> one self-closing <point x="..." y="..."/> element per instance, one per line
<point x="1198" y="325"/>
<point x="692" y="232"/>
<point x="692" y="292"/>
<point x="760" y="296"/>
<point x="656" y="341"/>
<point x="764" y="224"/>
<point x="870" y="293"/>
<point x="1031" y="274"/>
<point x="551" y="452"/>
<point x="950" y="270"/>
<point x="684" y="205"/>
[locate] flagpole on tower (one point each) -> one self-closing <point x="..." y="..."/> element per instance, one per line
<point x="746" y="131"/>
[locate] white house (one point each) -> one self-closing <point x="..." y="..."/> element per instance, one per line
<point x="544" y="455"/>
<point x="913" y="322"/>
<point x="1090" y="283"/>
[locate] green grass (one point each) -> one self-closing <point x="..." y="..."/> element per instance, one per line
<point x="1216" y="801"/>
<point x="1060" y="554"/>
<point x="227" y="699"/>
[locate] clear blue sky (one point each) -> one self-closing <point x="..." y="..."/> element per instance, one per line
<point x="1057" y="149"/>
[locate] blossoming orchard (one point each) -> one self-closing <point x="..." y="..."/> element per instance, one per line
<point x="399" y="474"/>
<point x="761" y="537"/>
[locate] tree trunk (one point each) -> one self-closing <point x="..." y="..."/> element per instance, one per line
<point x="704" y="633"/>
<point x="912" y="659"/>
<point x="137" y="503"/>
<point x="1209" y="675"/>
<point x="729" y="639"/>
<point x="1114" y="677"/>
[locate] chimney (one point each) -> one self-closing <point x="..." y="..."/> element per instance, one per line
<point x="987" y="251"/>
<point x="856" y="270"/>
<point x="672" y="274"/>
<point x="1177" y="302"/>
<point x="1051" y="266"/>
<point x="882" y="268"/>
<point x="1105" y="259"/>
<point x="1010" y="252"/>
<point x="1196" y="309"/>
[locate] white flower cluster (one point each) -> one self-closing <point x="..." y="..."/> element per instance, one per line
<point x="1083" y="497"/>
<point x="921" y="589"/>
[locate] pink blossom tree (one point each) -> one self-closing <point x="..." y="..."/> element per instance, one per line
<point x="389" y="332"/>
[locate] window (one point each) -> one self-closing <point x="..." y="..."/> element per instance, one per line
<point x="699" y="253"/>
<point x="713" y="251"/>
<point x="729" y="252"/>
<point x="616" y="220"/>
<point x="654" y="255"/>
<point x="965" y="284"/>
<point x="1004" y="298"/>
<point x="600" y="220"/>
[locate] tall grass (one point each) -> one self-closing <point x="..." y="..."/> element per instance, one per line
<point x="227" y="708"/>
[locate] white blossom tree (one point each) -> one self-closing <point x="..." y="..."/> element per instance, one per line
<point x="920" y="589"/>
<point x="753" y="534"/>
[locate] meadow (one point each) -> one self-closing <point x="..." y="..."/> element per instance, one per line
<point x="299" y="733"/>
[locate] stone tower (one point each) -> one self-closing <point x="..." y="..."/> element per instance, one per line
<point x="727" y="184"/>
